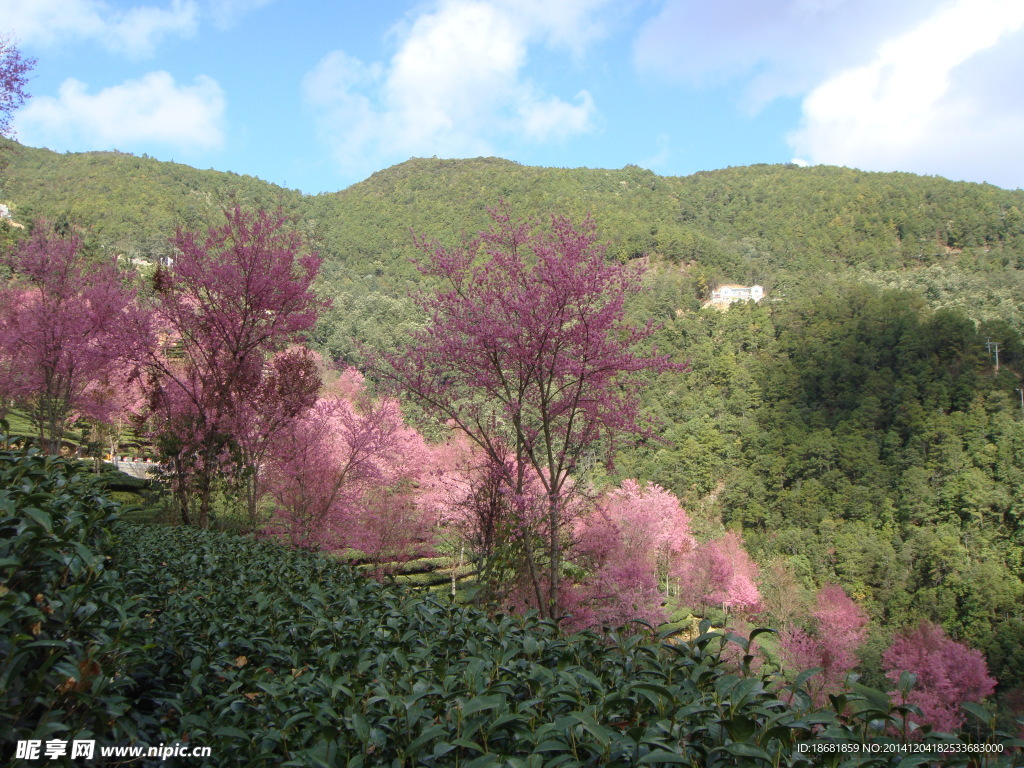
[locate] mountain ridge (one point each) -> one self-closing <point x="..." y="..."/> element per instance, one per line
<point x="128" y="198"/>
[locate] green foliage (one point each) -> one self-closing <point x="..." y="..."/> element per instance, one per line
<point x="263" y="652"/>
<point x="865" y="436"/>
<point x="66" y="626"/>
<point x="275" y="657"/>
<point x="129" y="205"/>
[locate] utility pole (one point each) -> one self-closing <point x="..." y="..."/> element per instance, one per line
<point x="1020" y="391"/>
<point x="993" y="346"/>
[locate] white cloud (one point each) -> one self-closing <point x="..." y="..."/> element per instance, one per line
<point x="777" y="47"/>
<point x="456" y="83"/>
<point x="930" y="86"/>
<point x="937" y="99"/>
<point x="136" y="113"/>
<point x="227" y="12"/>
<point x="552" y="118"/>
<point x="135" y="31"/>
<point x="569" y="24"/>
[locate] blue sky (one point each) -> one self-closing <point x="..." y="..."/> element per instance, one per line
<point x="317" y="95"/>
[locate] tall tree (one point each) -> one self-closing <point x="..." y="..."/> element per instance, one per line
<point x="231" y="300"/>
<point x="14" y="69"/>
<point x="527" y="352"/>
<point x="65" y="333"/>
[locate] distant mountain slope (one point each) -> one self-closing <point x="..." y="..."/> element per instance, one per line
<point x="823" y="208"/>
<point x="739" y="223"/>
<point x="127" y="202"/>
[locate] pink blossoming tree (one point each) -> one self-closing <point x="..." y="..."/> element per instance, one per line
<point x="948" y="674"/>
<point x="14" y="71"/>
<point x="721" y="573"/>
<point x="634" y="538"/>
<point x="65" y="333"/>
<point x="528" y="353"/>
<point x="287" y="388"/>
<point x="232" y="300"/>
<point x="343" y="475"/>
<point x="837" y="629"/>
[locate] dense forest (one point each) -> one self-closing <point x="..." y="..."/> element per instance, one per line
<point x="863" y="425"/>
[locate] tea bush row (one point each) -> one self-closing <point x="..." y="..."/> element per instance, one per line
<point x="149" y="634"/>
<point x="67" y="626"/>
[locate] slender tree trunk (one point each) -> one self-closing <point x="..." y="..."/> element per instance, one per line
<point x="531" y="566"/>
<point x="555" y="554"/>
<point x="181" y="496"/>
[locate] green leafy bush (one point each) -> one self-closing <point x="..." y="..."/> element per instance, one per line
<point x="64" y="617"/>
<point x="276" y="657"/>
<point x="155" y="635"/>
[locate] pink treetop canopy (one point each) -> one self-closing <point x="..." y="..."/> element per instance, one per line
<point x="837" y="631"/>
<point x="245" y="287"/>
<point x="230" y="301"/>
<point x="331" y="468"/>
<point x="841" y="626"/>
<point x="530" y="330"/>
<point x="14" y="71"/>
<point x="66" y="326"/>
<point x="948" y="673"/>
<point x="634" y="535"/>
<point x="720" y="572"/>
<point x="652" y="523"/>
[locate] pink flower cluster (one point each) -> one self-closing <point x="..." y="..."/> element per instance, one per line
<point x="836" y="630"/>
<point x="948" y="674"/>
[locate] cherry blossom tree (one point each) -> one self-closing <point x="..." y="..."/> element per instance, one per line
<point x="836" y="631"/>
<point x="528" y="353"/>
<point x="948" y="674"/>
<point x="14" y="69"/>
<point x="288" y="388"/>
<point x="232" y="300"/>
<point x="635" y="537"/>
<point x="617" y="593"/>
<point x="721" y="573"/>
<point x="468" y="493"/>
<point x="66" y="331"/>
<point x="342" y="475"/>
<point x="651" y="526"/>
<point x="129" y="400"/>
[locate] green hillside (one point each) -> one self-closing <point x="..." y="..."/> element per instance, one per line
<point x="794" y="230"/>
<point x="127" y="203"/>
<point x="790" y="229"/>
<point x="757" y="218"/>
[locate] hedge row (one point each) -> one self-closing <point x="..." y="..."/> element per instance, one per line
<point x="135" y="634"/>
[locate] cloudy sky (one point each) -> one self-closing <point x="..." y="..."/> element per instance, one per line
<point x="318" y="94"/>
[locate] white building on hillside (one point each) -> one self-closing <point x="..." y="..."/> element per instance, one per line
<point x="725" y="295"/>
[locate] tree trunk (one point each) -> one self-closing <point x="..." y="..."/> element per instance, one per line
<point x="555" y="555"/>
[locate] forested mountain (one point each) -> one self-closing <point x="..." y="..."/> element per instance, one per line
<point x="957" y="244"/>
<point x="855" y="424"/>
<point x="755" y="219"/>
<point x="125" y="203"/>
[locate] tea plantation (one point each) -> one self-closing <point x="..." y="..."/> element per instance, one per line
<point x="134" y="634"/>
